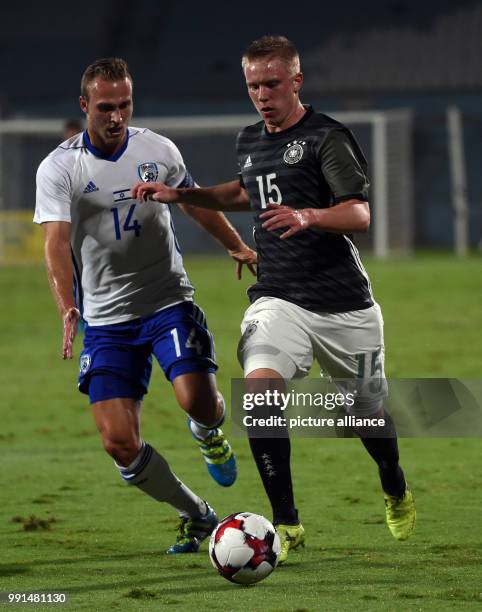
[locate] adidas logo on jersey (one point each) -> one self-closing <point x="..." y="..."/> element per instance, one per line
<point x="91" y="186"/>
<point x="248" y="163"/>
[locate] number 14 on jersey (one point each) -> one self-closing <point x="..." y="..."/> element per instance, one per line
<point x="128" y="226"/>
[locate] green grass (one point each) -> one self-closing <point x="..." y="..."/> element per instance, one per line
<point x="103" y="543"/>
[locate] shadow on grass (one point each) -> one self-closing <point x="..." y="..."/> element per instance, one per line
<point x="91" y="559"/>
<point x="13" y="570"/>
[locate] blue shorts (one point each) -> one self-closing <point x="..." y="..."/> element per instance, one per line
<point x="117" y="359"/>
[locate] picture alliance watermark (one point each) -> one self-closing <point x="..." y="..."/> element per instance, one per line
<point x="348" y="420"/>
<point x="436" y="407"/>
<point x="273" y="398"/>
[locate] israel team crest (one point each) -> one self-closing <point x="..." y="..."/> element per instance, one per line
<point x="148" y="172"/>
<point x="294" y="152"/>
<point x="84" y="363"/>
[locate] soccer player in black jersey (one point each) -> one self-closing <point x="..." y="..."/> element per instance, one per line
<point x="305" y="179"/>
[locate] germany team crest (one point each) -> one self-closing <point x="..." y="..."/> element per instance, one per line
<point x="294" y="152"/>
<point x="248" y="332"/>
<point x="148" y="172"/>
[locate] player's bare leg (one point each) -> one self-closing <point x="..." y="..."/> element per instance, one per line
<point x="118" y="421"/>
<point x="142" y="466"/>
<point x="197" y="394"/>
<point x="139" y="464"/>
<point x="272" y="457"/>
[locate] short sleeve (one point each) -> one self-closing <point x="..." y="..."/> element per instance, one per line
<point x="53" y="197"/>
<point x="240" y="172"/>
<point x="344" y="166"/>
<point x="177" y="174"/>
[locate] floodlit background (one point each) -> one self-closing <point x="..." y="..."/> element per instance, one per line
<point x="406" y="76"/>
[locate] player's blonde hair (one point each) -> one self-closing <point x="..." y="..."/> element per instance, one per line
<point x="273" y="46"/>
<point x="108" y="68"/>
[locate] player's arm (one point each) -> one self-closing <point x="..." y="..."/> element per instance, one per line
<point x="203" y="205"/>
<point x="225" y="196"/>
<point x="344" y="169"/>
<point x="58" y="260"/>
<point x="221" y="229"/>
<point x="349" y="217"/>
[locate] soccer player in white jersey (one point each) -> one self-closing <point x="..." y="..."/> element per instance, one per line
<point x="117" y="266"/>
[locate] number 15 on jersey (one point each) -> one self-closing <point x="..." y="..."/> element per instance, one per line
<point x="270" y="191"/>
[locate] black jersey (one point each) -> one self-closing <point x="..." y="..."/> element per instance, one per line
<point x="313" y="164"/>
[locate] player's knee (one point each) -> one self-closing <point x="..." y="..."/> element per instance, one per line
<point x="197" y="394"/>
<point x="205" y="409"/>
<point x="123" y="449"/>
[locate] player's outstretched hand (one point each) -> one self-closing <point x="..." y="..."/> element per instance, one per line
<point x="279" y="216"/>
<point x="154" y="191"/>
<point x="244" y="257"/>
<point x="71" y="318"/>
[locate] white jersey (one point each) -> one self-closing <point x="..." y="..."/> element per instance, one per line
<point x="127" y="263"/>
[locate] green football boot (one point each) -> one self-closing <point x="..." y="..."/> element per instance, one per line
<point x="218" y="455"/>
<point x="192" y="532"/>
<point x="401" y="514"/>
<point x="291" y="536"/>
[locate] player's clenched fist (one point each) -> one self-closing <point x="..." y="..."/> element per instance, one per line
<point x="155" y="191"/>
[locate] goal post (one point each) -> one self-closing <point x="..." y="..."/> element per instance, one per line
<point x="460" y="205"/>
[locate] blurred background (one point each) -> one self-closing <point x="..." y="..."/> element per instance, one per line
<point x="405" y="76"/>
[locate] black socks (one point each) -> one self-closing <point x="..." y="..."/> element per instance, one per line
<point x="272" y="456"/>
<point x="384" y="450"/>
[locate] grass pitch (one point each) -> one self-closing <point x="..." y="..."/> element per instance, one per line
<point x="67" y="522"/>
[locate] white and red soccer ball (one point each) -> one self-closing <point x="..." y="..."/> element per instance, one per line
<point x="244" y="548"/>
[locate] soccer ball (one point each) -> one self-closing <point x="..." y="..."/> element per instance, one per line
<point x="244" y="548"/>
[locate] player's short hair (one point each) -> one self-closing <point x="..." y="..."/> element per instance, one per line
<point x="273" y="46"/>
<point x="108" y="68"/>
